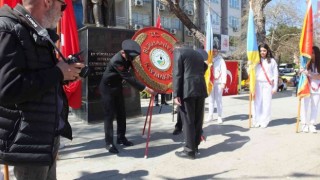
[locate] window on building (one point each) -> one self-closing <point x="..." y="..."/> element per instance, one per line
<point x="170" y="23"/>
<point x="143" y="19"/>
<point x="175" y="23"/>
<point x="234" y="23"/>
<point x="215" y="18"/>
<point x="234" y="4"/>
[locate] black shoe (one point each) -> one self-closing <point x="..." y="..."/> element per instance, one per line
<point x="176" y="131"/>
<point x="124" y="141"/>
<point x="157" y="104"/>
<point x="185" y="154"/>
<point x="112" y="149"/>
<point x="165" y="103"/>
<point x="197" y="151"/>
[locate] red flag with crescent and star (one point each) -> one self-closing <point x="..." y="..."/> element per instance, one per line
<point x="70" y="45"/>
<point x="232" y="79"/>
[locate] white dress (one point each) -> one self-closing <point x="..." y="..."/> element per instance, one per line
<point x="263" y="92"/>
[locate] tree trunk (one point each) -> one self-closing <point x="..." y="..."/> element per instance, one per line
<point x="257" y="6"/>
<point x="260" y="19"/>
<point x="175" y="8"/>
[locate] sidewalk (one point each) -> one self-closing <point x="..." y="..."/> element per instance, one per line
<point x="232" y="151"/>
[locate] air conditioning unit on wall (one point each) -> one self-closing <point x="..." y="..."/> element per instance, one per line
<point x="138" y="2"/>
<point x="173" y="31"/>
<point x="138" y="26"/>
<point x="189" y="33"/>
<point x="162" y="7"/>
<point x="190" y="12"/>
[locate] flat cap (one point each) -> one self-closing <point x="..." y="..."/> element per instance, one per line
<point x="131" y="47"/>
<point x="203" y="53"/>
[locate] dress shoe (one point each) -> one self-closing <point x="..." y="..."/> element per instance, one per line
<point x="176" y="131"/>
<point x="157" y="104"/>
<point x="112" y="149"/>
<point x="124" y="141"/>
<point x="197" y="151"/>
<point x="185" y="154"/>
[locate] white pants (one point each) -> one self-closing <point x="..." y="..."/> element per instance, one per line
<point x="305" y="102"/>
<point x="262" y="103"/>
<point x="216" y="97"/>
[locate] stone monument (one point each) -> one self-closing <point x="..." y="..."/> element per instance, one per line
<point x="99" y="45"/>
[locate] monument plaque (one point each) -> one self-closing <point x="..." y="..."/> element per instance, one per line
<point x="99" y="46"/>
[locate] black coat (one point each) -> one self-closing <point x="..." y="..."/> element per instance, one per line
<point x="30" y="86"/>
<point x="188" y="72"/>
<point x="118" y="70"/>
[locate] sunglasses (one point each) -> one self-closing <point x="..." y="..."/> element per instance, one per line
<point x="63" y="5"/>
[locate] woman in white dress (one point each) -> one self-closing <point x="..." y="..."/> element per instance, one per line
<point x="313" y="70"/>
<point x="266" y="86"/>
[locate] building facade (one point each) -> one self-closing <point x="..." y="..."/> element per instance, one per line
<point x="136" y="14"/>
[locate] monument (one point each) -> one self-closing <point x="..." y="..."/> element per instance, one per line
<point x="99" y="44"/>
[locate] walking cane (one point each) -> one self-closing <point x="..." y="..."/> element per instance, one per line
<point x="6" y="172"/>
<point x="298" y="117"/>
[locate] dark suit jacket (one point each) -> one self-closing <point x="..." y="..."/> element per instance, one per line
<point x="188" y="74"/>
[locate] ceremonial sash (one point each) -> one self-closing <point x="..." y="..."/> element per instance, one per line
<point x="264" y="71"/>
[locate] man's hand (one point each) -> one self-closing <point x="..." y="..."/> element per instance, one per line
<point x="222" y="85"/>
<point x="177" y="101"/>
<point x="70" y="71"/>
<point x="150" y="91"/>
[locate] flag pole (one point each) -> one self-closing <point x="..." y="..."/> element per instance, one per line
<point x="298" y="117"/>
<point x="250" y="109"/>
<point x="6" y="172"/>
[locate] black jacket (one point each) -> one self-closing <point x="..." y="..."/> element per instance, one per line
<point x="188" y="74"/>
<point x="30" y="85"/>
<point x="117" y="70"/>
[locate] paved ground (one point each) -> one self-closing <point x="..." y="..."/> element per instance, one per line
<point x="232" y="150"/>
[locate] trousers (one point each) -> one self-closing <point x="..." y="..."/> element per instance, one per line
<point x="216" y="97"/>
<point x="113" y="103"/>
<point x="39" y="172"/>
<point x="191" y="112"/>
<point x="312" y="101"/>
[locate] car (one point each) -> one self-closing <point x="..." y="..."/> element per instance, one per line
<point x="286" y="68"/>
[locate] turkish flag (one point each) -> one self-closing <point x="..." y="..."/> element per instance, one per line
<point x="70" y="45"/>
<point x="11" y="3"/>
<point x="232" y="78"/>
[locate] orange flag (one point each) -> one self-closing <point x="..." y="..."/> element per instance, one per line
<point x="306" y="43"/>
